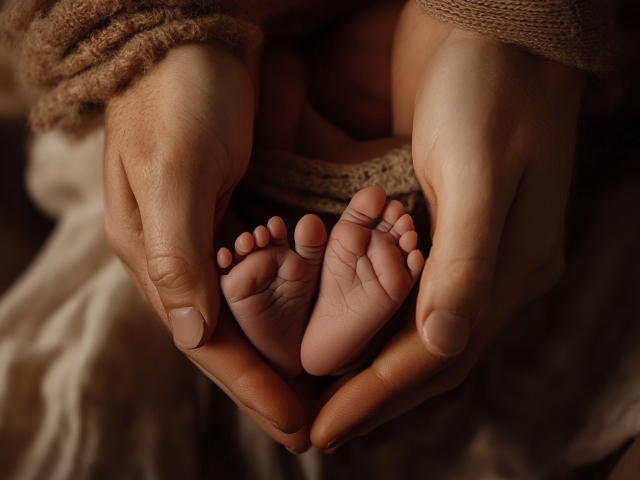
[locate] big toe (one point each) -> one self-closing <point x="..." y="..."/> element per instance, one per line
<point x="365" y="206"/>
<point x="310" y="237"/>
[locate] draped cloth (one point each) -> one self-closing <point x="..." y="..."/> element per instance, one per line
<point x="91" y="384"/>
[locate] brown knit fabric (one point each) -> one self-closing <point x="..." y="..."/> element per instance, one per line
<point x="75" y="54"/>
<point x="576" y="33"/>
<point x="326" y="188"/>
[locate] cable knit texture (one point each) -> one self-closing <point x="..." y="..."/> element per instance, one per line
<point x="576" y="33"/>
<point x="75" y="54"/>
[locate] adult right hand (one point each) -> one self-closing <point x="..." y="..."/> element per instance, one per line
<point x="493" y="134"/>
<point x="178" y="140"/>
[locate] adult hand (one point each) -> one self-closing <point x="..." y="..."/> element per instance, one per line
<point x="493" y="141"/>
<point x="177" y="142"/>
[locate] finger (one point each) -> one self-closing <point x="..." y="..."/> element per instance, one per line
<point x="330" y="430"/>
<point x="472" y="207"/>
<point x="253" y="386"/>
<point x="406" y="374"/>
<point x="233" y="364"/>
<point x="177" y="216"/>
<point x="123" y="226"/>
<point x="400" y="366"/>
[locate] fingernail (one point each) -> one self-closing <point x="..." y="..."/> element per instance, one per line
<point x="446" y="333"/>
<point x="292" y="450"/>
<point x="187" y="325"/>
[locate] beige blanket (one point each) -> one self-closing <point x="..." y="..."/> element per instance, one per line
<point x="91" y="385"/>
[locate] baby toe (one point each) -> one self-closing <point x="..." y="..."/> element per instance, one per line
<point x="277" y="230"/>
<point x="404" y="225"/>
<point x="415" y="264"/>
<point x="365" y="206"/>
<point x="244" y="245"/>
<point x="261" y="236"/>
<point x="392" y="212"/>
<point x="310" y="237"/>
<point x="408" y="241"/>
<point x="224" y="258"/>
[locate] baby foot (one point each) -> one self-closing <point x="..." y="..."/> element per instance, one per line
<point x="270" y="288"/>
<point x="366" y="275"/>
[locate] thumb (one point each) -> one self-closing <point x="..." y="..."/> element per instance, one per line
<point x="459" y="271"/>
<point x="177" y="225"/>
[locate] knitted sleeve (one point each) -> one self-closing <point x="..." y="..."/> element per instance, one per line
<point x="75" y="54"/>
<point x="576" y="33"/>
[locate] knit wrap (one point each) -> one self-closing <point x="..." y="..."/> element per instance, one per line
<point x="325" y="187"/>
<point x="74" y="55"/>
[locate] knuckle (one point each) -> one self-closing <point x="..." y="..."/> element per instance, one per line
<point x="169" y="269"/>
<point x="385" y="384"/>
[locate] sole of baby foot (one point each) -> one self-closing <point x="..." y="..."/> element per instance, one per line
<point x="366" y="275"/>
<point x="269" y="287"/>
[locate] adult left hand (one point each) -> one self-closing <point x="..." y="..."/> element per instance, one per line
<point x="493" y="142"/>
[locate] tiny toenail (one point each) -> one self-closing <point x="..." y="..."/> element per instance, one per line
<point x="446" y="333"/>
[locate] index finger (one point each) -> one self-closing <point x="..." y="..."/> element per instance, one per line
<point x="233" y="364"/>
<point x="406" y="374"/>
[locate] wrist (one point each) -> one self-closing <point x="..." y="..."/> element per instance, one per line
<point x="193" y="113"/>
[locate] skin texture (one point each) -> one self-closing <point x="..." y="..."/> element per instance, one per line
<point x="493" y="134"/>
<point x="367" y="273"/>
<point x="270" y="288"/>
<point x="366" y="276"/>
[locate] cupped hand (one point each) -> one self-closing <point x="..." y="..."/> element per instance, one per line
<point x="493" y="133"/>
<point x="177" y="142"/>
